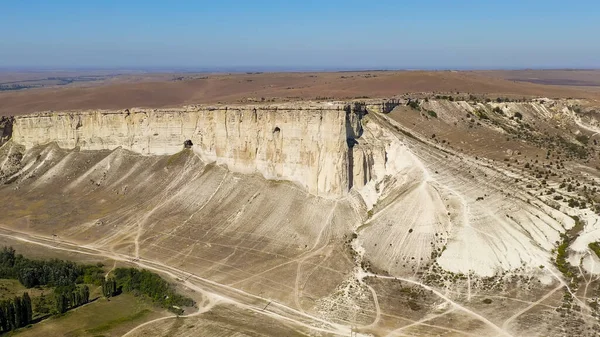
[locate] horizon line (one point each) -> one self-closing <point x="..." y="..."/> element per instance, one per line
<point x="275" y="69"/>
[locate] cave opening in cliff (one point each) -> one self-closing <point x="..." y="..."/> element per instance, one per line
<point x="276" y="130"/>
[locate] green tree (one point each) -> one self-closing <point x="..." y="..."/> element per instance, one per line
<point x="106" y="289"/>
<point x="61" y="303"/>
<point x="151" y="285"/>
<point x="109" y="288"/>
<point x="27" y="308"/>
<point x="18" y="312"/>
<point x="42" y="304"/>
<point x="3" y="318"/>
<point x="85" y="294"/>
<point x="74" y="299"/>
<point x="10" y="315"/>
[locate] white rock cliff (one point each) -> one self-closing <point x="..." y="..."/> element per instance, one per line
<point x="307" y="144"/>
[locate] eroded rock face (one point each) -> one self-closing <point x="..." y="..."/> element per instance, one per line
<point x="421" y="214"/>
<point x="6" y="124"/>
<point x="307" y="143"/>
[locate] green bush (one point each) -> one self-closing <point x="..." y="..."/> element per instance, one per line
<point x="414" y="105"/>
<point x="583" y="139"/>
<point x="561" y="258"/>
<point x="595" y="247"/>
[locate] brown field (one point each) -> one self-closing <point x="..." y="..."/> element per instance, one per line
<point x="118" y="91"/>
<point x="574" y="78"/>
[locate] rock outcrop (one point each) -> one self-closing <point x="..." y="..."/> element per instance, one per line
<point x="310" y="144"/>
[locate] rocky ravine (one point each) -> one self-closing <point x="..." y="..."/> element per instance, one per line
<point x="374" y="199"/>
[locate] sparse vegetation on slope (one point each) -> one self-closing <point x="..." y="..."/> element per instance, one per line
<point x="569" y="271"/>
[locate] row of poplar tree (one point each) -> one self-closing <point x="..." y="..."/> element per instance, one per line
<point x="68" y="297"/>
<point x="15" y="313"/>
<point x="109" y="288"/>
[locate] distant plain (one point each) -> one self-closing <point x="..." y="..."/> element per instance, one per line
<point x="32" y="91"/>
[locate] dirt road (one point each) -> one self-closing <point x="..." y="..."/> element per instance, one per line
<point x="214" y="291"/>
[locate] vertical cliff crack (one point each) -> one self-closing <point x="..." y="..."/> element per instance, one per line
<point x="350" y="163"/>
<point x="353" y="115"/>
<point x="226" y="130"/>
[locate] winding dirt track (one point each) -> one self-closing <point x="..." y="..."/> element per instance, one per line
<point x="499" y="330"/>
<point x="215" y="291"/>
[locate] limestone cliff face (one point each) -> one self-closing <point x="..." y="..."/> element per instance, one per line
<point x="307" y="144"/>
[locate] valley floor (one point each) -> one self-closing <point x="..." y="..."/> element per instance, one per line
<point x="223" y="309"/>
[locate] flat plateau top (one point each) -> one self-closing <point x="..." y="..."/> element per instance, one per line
<point x="176" y="90"/>
<point x="284" y="106"/>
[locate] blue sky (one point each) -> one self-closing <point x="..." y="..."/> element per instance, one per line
<point x="292" y="34"/>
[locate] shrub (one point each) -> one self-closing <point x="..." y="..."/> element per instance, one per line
<point x="414" y="105"/>
<point x="595" y="247"/>
<point x="561" y="258"/>
<point x="583" y="139"/>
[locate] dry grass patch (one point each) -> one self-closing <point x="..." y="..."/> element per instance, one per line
<point x="102" y="317"/>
